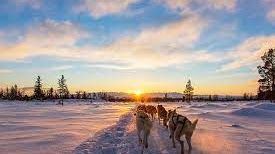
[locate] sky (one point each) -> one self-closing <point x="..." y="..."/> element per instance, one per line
<point x="129" y="45"/>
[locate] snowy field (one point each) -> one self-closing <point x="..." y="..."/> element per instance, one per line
<point x="45" y="128"/>
<point x="96" y="128"/>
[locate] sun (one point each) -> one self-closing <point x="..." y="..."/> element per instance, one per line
<point x="138" y="92"/>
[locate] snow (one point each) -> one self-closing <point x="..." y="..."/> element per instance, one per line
<point x="220" y="130"/>
<point x="265" y="110"/>
<point x="266" y="106"/>
<point x="43" y="127"/>
<point x="83" y="127"/>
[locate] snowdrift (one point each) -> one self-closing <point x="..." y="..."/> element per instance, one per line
<point x="268" y="106"/>
<point x="265" y="110"/>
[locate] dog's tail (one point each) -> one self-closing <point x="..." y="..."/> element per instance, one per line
<point x="194" y="124"/>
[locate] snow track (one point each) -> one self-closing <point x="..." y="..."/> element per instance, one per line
<point x="122" y="138"/>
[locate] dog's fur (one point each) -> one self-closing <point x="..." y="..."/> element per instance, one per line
<point x="162" y="114"/>
<point x="143" y="124"/>
<point x="150" y="109"/>
<point x="179" y="126"/>
<point x="141" y="107"/>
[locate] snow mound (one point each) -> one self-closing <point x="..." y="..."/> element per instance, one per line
<point x="268" y="106"/>
<point x="206" y="105"/>
<point x="254" y="112"/>
<point x="252" y="104"/>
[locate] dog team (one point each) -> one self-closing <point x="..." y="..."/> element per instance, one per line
<point x="178" y="125"/>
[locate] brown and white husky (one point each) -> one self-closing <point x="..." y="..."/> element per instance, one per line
<point x="143" y="124"/>
<point x="179" y="125"/>
<point x="162" y="114"/>
<point x="150" y="109"/>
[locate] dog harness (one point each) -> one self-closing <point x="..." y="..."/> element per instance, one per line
<point x="142" y="117"/>
<point x="179" y="122"/>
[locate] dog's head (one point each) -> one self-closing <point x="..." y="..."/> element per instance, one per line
<point x="171" y="113"/>
<point x="141" y="113"/>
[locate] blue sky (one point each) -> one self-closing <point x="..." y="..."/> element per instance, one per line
<point x="125" y="45"/>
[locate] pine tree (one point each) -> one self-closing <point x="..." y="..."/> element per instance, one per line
<point x="84" y="95"/>
<point x="78" y="94"/>
<point x="165" y="96"/>
<point x="267" y="74"/>
<point x="7" y="94"/>
<point x="210" y="98"/>
<point x="20" y="94"/>
<point x="50" y="93"/>
<point x="94" y="95"/>
<point x="38" y="92"/>
<point x="188" y="92"/>
<point x="62" y="88"/>
<point x="245" y="96"/>
<point x="13" y="92"/>
<point x="1" y="94"/>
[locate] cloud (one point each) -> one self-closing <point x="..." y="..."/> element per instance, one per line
<point x="5" y="71"/>
<point x="109" y="66"/>
<point x="35" y="4"/>
<point x="100" y="8"/>
<point x="155" y="47"/>
<point x="248" y="53"/>
<point x="59" y="68"/>
<point x="271" y="16"/>
<point x="185" y="6"/>
<point x="228" y="5"/>
<point x="48" y="38"/>
<point x="159" y="47"/>
<point x="270" y="7"/>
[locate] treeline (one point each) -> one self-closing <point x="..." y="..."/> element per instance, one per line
<point x="197" y="98"/>
<point x="39" y="93"/>
<point x="213" y="98"/>
<point x="13" y="93"/>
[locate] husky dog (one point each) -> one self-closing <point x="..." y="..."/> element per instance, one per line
<point x="144" y="124"/>
<point x="150" y="109"/>
<point x="162" y="114"/>
<point x="179" y="125"/>
<point x="141" y="108"/>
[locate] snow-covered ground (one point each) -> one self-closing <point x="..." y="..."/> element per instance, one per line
<point x="46" y="128"/>
<point x="100" y="127"/>
<point x="224" y="127"/>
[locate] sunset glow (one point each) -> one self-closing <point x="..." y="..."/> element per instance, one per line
<point x="138" y="92"/>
